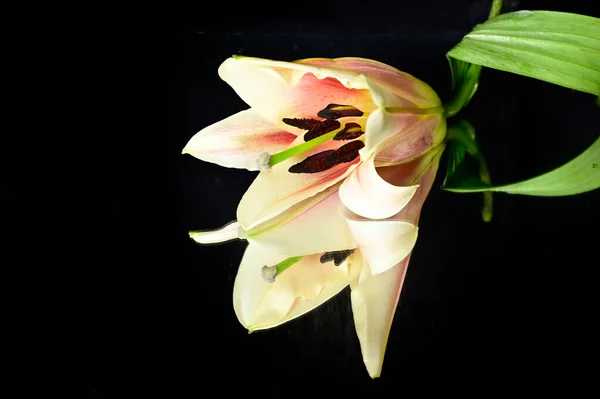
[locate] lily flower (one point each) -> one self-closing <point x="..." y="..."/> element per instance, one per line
<point x="312" y="122"/>
<point x="348" y="150"/>
<point x="360" y="233"/>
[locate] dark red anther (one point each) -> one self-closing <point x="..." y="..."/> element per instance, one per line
<point x="328" y="159"/>
<point x="335" y="111"/>
<point x="351" y="131"/>
<point x="313" y="164"/>
<point x="338" y="257"/>
<point x="346" y="153"/>
<point x="322" y="128"/>
<point x="301" y="123"/>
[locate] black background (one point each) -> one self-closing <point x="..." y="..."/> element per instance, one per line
<point x="509" y="305"/>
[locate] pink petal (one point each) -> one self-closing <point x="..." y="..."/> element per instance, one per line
<point x="278" y="90"/>
<point x="428" y="167"/>
<point x="409" y="91"/>
<point x="395" y="143"/>
<point x="237" y="141"/>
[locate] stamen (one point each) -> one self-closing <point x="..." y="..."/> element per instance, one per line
<point x="318" y="132"/>
<point x="322" y="128"/>
<point x="351" y="131"/>
<point x="301" y="123"/>
<point x="269" y="273"/>
<point x="313" y="164"/>
<point x="263" y="162"/>
<point x="338" y="257"/>
<point x="336" y="111"/>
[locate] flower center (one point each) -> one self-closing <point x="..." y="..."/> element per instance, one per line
<point x="269" y="273"/>
<point x="319" y="132"/>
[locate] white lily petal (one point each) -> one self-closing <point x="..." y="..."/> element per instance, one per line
<point x="365" y="193"/>
<point x="383" y="243"/>
<point x="230" y="231"/>
<point x="374" y="300"/>
<point x="307" y="284"/>
<point x="237" y="141"/>
<point x="320" y="228"/>
<point x="274" y="192"/>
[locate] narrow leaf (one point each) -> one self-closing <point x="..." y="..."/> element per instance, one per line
<point x="462" y="141"/>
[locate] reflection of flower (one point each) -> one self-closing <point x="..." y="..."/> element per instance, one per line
<point x="343" y="206"/>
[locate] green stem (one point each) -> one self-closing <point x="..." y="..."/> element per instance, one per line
<point x="495" y="8"/>
<point x="488" y="199"/>
<point x="464" y="133"/>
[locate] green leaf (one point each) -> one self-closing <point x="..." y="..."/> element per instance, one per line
<point x="465" y="80"/>
<point x="457" y="153"/>
<point x="465" y="76"/>
<point x="580" y="175"/>
<point x="555" y="47"/>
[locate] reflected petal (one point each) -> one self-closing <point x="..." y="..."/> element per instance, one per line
<point x="300" y="288"/>
<point x="374" y="300"/>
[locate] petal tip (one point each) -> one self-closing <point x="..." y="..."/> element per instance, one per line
<point x="195" y="235"/>
<point x="375" y="375"/>
<point x="230" y="231"/>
